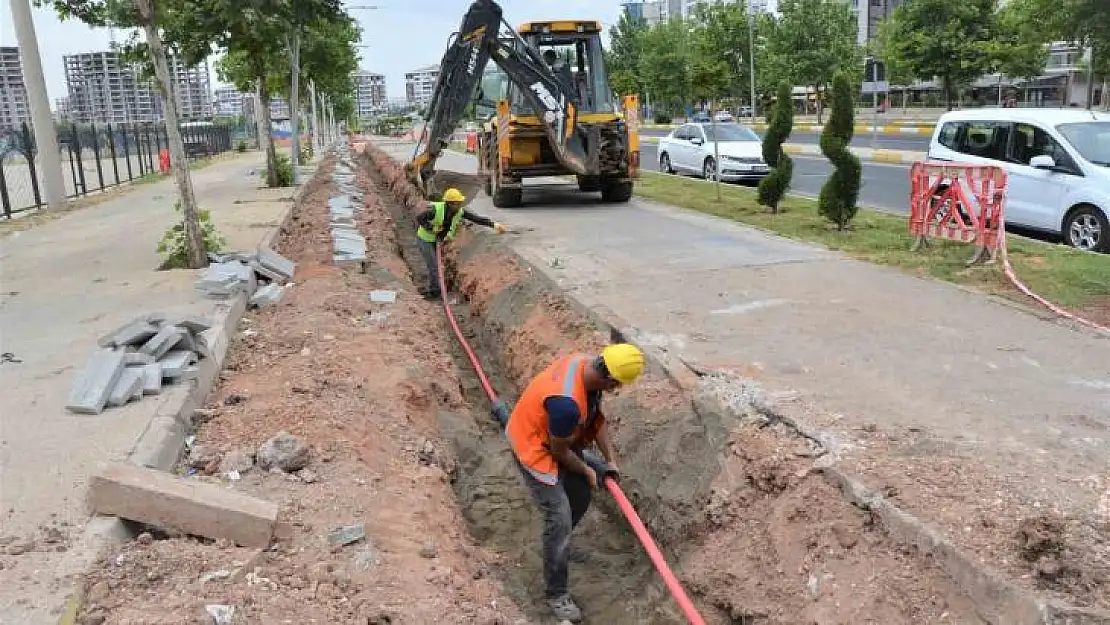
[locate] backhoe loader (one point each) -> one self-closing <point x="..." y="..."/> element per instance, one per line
<point x="546" y="108"/>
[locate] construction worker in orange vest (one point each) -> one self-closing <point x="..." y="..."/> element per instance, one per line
<point x="551" y="430"/>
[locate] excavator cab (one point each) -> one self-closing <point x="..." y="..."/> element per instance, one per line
<point x="573" y="51"/>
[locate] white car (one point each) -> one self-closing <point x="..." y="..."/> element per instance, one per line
<point x="723" y="117"/>
<point x="689" y="149"/>
<point x="1057" y="163"/>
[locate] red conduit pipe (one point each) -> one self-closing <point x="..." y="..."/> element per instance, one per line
<point x="657" y="559"/>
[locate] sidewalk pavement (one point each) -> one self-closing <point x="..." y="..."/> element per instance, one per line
<point x="962" y="407"/>
<point x="65" y="283"/>
<point x="871" y="155"/>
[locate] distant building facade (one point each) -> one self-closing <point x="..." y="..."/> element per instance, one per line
<point x="104" y="88"/>
<point x="14" y="105"/>
<point x="370" y="95"/>
<point x="419" y="85"/>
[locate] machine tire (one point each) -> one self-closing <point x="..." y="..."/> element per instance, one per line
<point x="589" y="184"/>
<point x="665" y="164"/>
<point x="615" y="192"/>
<point x="487" y="184"/>
<point x="508" y="198"/>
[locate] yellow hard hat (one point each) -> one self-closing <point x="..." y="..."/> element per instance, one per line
<point x="453" y="195"/>
<point x="625" y="362"/>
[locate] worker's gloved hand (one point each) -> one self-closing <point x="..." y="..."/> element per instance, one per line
<point x="500" y="411"/>
<point x="500" y="228"/>
<point x="598" y="464"/>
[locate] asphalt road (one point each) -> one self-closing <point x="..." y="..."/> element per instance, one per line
<point x="882" y="142"/>
<point x="885" y="187"/>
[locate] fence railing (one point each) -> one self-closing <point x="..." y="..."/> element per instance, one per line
<point x="96" y="157"/>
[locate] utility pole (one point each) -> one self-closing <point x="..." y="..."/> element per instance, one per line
<point x="46" y="137"/>
<point x="751" y="54"/>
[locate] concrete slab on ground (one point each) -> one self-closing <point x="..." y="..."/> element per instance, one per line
<point x="66" y="283"/>
<point x="955" y="378"/>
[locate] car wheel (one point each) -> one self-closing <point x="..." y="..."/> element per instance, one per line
<point x="1087" y="228"/>
<point x="709" y="170"/>
<point x="665" y="164"/>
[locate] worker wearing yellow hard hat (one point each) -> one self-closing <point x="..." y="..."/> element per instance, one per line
<point x="440" y="223"/>
<point x="552" y="430"/>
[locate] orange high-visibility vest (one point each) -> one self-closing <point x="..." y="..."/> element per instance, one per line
<point x="528" y="425"/>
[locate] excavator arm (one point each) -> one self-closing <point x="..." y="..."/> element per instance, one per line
<point x="460" y="72"/>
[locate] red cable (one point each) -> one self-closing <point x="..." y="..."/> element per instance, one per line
<point x="623" y="503"/>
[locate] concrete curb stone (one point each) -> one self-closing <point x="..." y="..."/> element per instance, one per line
<point x="161" y="443"/>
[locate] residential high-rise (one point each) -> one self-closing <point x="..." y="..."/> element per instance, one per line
<point x="370" y="97"/>
<point x="419" y="85"/>
<point x="14" y="107"/>
<point x="62" y="110"/>
<point x="759" y="6"/>
<point x="105" y="88"/>
<point x="227" y="102"/>
<point x="279" y="109"/>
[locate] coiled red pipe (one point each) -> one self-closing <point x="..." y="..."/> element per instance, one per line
<point x="641" y="531"/>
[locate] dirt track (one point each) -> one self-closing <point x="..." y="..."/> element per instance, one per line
<point x="402" y="442"/>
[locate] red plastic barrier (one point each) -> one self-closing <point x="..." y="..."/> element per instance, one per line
<point x="164" y="160"/>
<point x="471" y="142"/>
<point x="958" y="202"/>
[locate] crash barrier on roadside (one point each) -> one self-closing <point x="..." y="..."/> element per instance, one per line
<point x="958" y="202"/>
<point x="471" y="142"/>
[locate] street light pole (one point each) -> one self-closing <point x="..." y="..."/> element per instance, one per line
<point x="874" y="100"/>
<point x="751" y="55"/>
<point x="46" y="137"/>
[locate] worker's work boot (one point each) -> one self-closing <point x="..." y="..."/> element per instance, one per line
<point x="565" y="609"/>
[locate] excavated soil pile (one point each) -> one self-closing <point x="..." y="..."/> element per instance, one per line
<point x="363" y="386"/>
<point x="759" y="534"/>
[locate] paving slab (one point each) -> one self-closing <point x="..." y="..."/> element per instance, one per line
<point x="100" y="264"/>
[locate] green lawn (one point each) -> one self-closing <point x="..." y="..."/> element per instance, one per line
<point x="1063" y="275"/>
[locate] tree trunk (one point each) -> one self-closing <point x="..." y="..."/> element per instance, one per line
<point x="259" y="131"/>
<point x="295" y="103"/>
<point x="194" y="239"/>
<point x="819" y="103"/>
<point x="268" y="133"/>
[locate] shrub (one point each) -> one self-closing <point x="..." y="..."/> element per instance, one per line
<point x="931" y="100"/>
<point x="283" y="166"/>
<point x="663" y="118"/>
<point x="241" y="146"/>
<point x="173" y="247"/>
<point x="773" y="187"/>
<point x="306" y="151"/>
<point x="837" y="202"/>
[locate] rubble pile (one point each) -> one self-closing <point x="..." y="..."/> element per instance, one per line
<point x="136" y="359"/>
<point x="237" y="272"/>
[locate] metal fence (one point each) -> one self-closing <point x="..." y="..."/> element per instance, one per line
<point x="96" y="157"/>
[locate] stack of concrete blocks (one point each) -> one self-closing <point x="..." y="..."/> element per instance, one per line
<point x="230" y="274"/>
<point x="136" y="359"/>
<point x="348" y="244"/>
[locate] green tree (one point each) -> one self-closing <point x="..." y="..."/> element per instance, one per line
<point x="665" y="64"/>
<point x="1020" y="46"/>
<point x="719" y="49"/>
<point x="152" y="17"/>
<point x="1086" y="22"/>
<point x="812" y="41"/>
<point x="775" y="185"/>
<point x="624" y="54"/>
<point x="941" y="39"/>
<point x="839" y="195"/>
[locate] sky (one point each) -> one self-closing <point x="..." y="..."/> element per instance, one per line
<point x="400" y="35"/>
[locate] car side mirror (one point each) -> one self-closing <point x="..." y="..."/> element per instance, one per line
<point x="1042" y="162"/>
<point x="696" y="140"/>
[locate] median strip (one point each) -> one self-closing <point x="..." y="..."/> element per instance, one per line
<point x="871" y="155"/>
<point x="1076" y="279"/>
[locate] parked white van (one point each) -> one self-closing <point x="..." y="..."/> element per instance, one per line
<point x="1057" y="161"/>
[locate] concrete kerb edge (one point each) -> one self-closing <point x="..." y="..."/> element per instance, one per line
<point x="161" y="443"/>
<point x="1000" y="602"/>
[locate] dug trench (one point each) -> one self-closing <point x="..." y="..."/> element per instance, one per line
<point x="739" y="503"/>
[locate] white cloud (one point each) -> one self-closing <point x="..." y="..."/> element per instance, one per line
<point x="402" y="34"/>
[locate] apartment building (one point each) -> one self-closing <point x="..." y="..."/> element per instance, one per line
<point x="227" y="102"/>
<point x="14" y="106"/>
<point x="104" y="88"/>
<point x="279" y="109"/>
<point x="62" y="111"/>
<point x="419" y="85"/>
<point x="370" y="96"/>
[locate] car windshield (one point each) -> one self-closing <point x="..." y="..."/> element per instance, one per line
<point x="729" y="132"/>
<point x="1090" y="139"/>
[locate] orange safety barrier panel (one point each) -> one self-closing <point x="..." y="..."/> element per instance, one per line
<point x="471" y="142"/>
<point x="958" y="202"/>
<point x="164" y="160"/>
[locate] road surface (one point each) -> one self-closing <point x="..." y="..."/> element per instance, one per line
<point x="882" y="142"/>
<point x="886" y="187"/>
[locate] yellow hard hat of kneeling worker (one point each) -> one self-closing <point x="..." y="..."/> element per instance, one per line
<point x="624" y="361"/>
<point x="453" y="195"/>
